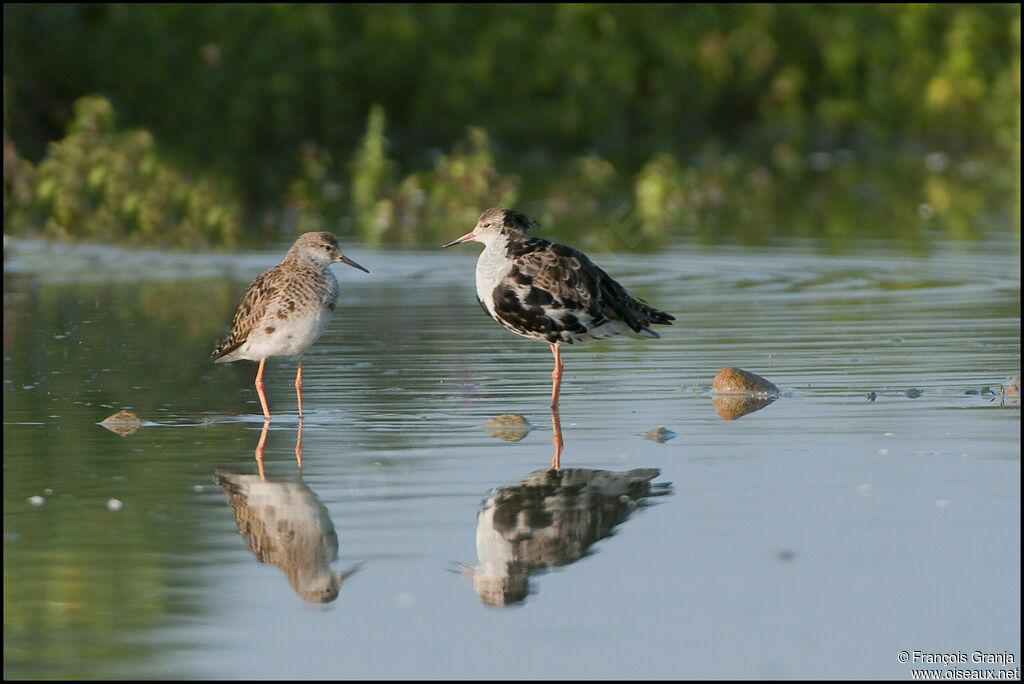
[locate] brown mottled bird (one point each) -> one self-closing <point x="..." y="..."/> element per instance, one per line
<point x="286" y="308"/>
<point x="550" y="292"/>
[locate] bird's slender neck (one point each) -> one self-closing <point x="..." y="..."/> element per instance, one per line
<point x="499" y="243"/>
<point x="296" y="258"/>
<point x="495" y="241"/>
<point x="491" y="267"/>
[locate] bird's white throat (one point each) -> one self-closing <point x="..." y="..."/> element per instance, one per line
<point x="492" y="266"/>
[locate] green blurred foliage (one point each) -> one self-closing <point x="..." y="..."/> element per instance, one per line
<point x="96" y="183"/>
<point x="371" y="178"/>
<point x="674" y="99"/>
<point x="426" y="206"/>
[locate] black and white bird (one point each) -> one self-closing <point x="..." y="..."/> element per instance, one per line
<point x="549" y="292"/>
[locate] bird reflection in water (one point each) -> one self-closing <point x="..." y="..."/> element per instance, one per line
<point x="285" y="524"/>
<point x="547" y="519"/>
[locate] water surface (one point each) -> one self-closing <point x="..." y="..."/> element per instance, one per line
<point x="872" y="508"/>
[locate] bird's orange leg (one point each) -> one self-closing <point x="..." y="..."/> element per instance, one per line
<point x="556" y="460"/>
<point x="259" y="390"/>
<point x="298" y="446"/>
<point x="556" y="375"/>
<point x="259" y="447"/>
<point x="298" y="386"/>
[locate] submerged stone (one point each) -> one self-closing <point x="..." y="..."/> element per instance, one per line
<point x="659" y="435"/>
<point x="510" y="427"/>
<point x="123" y="423"/>
<point x="733" y="406"/>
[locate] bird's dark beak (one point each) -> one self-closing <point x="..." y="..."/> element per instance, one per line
<point x="345" y="260"/>
<point x="465" y="238"/>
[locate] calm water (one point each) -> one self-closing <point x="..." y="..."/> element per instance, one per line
<point x="817" y="537"/>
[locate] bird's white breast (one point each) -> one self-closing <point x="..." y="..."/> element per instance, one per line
<point x="492" y="267"/>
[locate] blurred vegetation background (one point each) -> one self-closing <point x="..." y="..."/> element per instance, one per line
<point x="620" y="126"/>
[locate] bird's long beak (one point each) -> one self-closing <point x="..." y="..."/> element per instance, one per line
<point x="468" y="237"/>
<point x="345" y="260"/>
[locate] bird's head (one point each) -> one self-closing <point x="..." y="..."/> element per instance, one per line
<point x="322" y="248"/>
<point x="493" y="224"/>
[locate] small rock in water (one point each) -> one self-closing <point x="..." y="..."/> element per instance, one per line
<point x="123" y="423"/>
<point x="738" y="381"/>
<point x="739" y="392"/>
<point x="1011" y="392"/>
<point x="114" y="504"/>
<point x="659" y="435"/>
<point x="36" y="500"/>
<point x="872" y="396"/>
<point x="913" y="393"/>
<point x="510" y="427"/>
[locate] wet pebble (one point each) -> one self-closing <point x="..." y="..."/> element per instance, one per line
<point x="114" y="504"/>
<point x="36" y="500"/>
<point x="736" y="380"/>
<point x="122" y="423"/>
<point x="738" y="392"/>
<point x="913" y="393"/>
<point x="510" y="427"/>
<point x="659" y="434"/>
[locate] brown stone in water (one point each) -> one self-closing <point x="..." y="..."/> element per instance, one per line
<point x="510" y="427"/>
<point x="659" y="434"/>
<point x="738" y="381"/>
<point x="122" y="423"/>
<point x="1011" y="391"/>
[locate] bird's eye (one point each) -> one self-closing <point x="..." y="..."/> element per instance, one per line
<point x="327" y="247"/>
<point x="487" y="225"/>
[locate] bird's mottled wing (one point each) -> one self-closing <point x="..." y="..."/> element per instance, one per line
<point x="250" y="311"/>
<point x="578" y="283"/>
